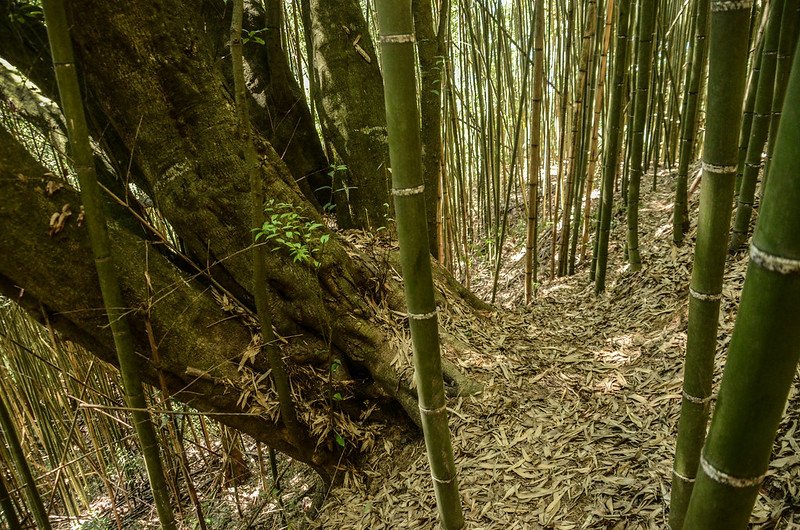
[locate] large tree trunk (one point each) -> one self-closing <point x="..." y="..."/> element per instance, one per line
<point x="280" y="112"/>
<point x="201" y="339"/>
<point x="349" y="92"/>
<point x="154" y="74"/>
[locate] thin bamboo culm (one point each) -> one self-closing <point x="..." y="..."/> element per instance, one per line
<point x="726" y="84"/>
<point x="405" y="153"/>
<point x="129" y="361"/>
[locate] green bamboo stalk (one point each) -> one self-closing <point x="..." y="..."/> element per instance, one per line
<point x="129" y="361"/>
<point x="514" y="149"/>
<point x="280" y="378"/>
<point x="643" y="59"/>
<point x="35" y="504"/>
<point x="747" y="115"/>
<point x="402" y="113"/>
<point x="584" y="180"/>
<point x="759" y="128"/>
<point x="790" y="25"/>
<point x="764" y="349"/>
<point x="611" y="148"/>
<point x="689" y="114"/>
<point x="7" y="505"/>
<point x="562" y="120"/>
<point x="593" y="151"/>
<point x="726" y="83"/>
<point x="572" y="174"/>
<point x="536" y="155"/>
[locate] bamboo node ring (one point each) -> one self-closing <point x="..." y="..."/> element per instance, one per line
<point x="695" y="399"/>
<point x="726" y="479"/>
<point x="772" y="262"/>
<point x="706" y="297"/>
<point x="396" y="39"/>
<point x="437" y="410"/>
<point x="405" y="192"/>
<point x="442" y="481"/>
<point x="714" y="168"/>
<point x="685" y="479"/>
<point x="422" y="316"/>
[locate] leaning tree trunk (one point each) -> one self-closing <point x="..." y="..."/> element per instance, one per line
<point x="349" y="92"/>
<point x="726" y="80"/>
<point x="279" y="108"/>
<point x="268" y="344"/>
<point x="173" y="107"/>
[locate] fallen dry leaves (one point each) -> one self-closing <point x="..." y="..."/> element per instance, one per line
<point x="576" y="425"/>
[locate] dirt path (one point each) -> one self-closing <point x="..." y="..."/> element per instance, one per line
<point x="576" y="424"/>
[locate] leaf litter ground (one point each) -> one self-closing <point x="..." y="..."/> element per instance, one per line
<point x="575" y="427"/>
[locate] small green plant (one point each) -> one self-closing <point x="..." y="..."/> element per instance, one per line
<point x="339" y="439"/>
<point x="289" y="230"/>
<point x="252" y="35"/>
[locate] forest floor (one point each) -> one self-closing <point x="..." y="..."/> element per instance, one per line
<point x="576" y="425"/>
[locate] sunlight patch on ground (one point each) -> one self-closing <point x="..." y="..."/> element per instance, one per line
<point x="621" y="350"/>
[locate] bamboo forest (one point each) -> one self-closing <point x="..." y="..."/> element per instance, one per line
<point x="399" y="264"/>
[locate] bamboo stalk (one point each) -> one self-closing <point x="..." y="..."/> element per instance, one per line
<point x="399" y="78"/>
<point x="764" y="349"/>
<point x="727" y="71"/>
<point x="72" y="105"/>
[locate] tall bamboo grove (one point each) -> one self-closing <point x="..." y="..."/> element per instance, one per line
<point x="728" y="49"/>
<point x="405" y="154"/>
<point x="765" y="346"/>
<point x="129" y="362"/>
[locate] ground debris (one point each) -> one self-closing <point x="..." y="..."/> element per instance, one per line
<point x="576" y="425"/>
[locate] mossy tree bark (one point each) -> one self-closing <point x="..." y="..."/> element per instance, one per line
<point x="268" y="344"/>
<point x="160" y="84"/>
<point x="349" y="92"/>
<point x="278" y="107"/>
<point x="279" y="112"/>
<point x="726" y="83"/>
